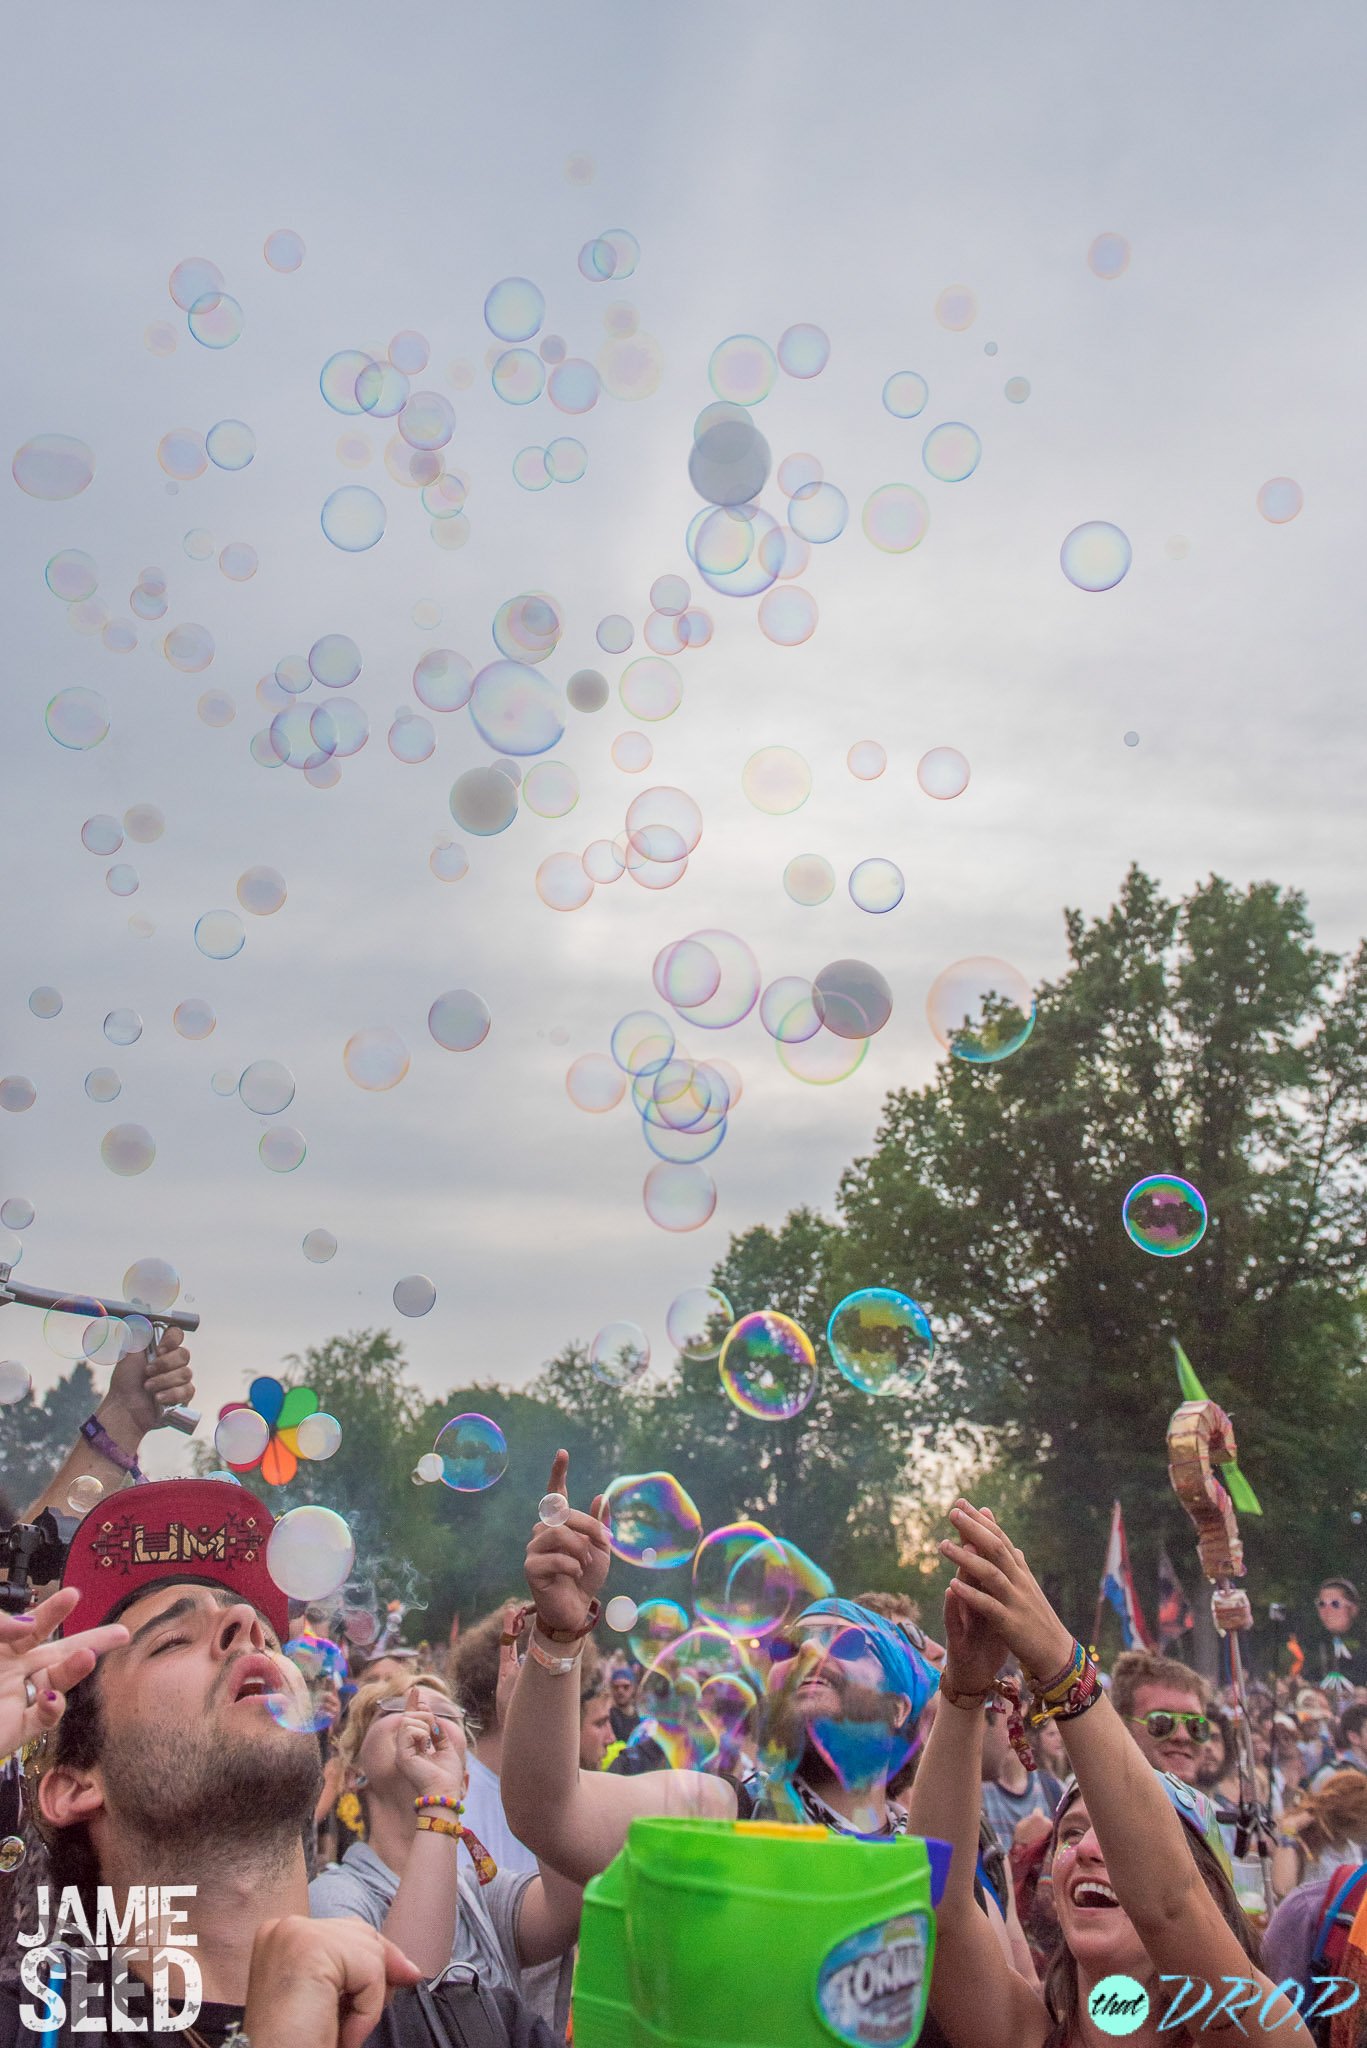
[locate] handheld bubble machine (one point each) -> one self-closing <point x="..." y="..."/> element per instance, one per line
<point x="756" y="1934"/>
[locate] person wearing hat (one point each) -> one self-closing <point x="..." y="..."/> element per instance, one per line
<point x="1141" y="1878"/>
<point x="1338" y="1650"/>
<point x="182" y="1760"/>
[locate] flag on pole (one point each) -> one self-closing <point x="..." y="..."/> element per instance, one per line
<point x="1174" y="1609"/>
<point x="1117" y="1587"/>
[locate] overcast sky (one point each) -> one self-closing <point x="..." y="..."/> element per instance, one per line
<point x="806" y="165"/>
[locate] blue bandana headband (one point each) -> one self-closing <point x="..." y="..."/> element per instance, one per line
<point x="904" y="1669"/>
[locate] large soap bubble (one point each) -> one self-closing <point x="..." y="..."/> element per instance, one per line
<point x="981" y="1010"/>
<point x="881" y="1340"/>
<point x="768" y="1367"/>
<point x="697" y="1321"/>
<point x="1165" y="1215"/>
<point x="473" y="1453"/>
<point x="651" y="1520"/>
<point x="310" y="1552"/>
<point x="619" y="1354"/>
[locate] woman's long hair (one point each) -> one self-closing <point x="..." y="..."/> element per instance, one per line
<point x="1061" y="1994"/>
<point x="1330" y="1818"/>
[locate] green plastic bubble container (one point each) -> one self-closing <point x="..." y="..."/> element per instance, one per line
<point x="752" y="1934"/>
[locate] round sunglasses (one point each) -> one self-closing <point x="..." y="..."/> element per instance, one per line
<point x="847" y="1644"/>
<point x="1160" y="1724"/>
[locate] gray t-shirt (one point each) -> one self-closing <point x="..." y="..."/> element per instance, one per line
<point x="486" y="1925"/>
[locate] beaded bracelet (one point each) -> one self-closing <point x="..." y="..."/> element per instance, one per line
<point x="446" y="1799"/>
<point x="1083" y="1692"/>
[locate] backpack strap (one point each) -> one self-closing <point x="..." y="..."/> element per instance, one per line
<point x="1342" y="1898"/>
<point x="466" y="2006"/>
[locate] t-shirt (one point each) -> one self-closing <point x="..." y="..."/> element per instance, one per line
<point x="1292" y="1930"/>
<point x="624" y="1722"/>
<point x="484" y="1813"/>
<point x="1002" y="1809"/>
<point x="486" y="1915"/>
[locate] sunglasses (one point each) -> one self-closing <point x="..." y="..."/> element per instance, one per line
<point x="1161" y="1724"/>
<point x="399" y="1705"/>
<point x="1334" y="1600"/>
<point x="846" y="1644"/>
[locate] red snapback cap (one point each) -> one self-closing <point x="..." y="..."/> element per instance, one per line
<point x="194" y="1529"/>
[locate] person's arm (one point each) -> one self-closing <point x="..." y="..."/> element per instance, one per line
<point x="573" y="1820"/>
<point x="139" y="1390"/>
<point x="1147" y="1860"/>
<point x="975" y="1994"/>
<point x="547" y="1917"/>
<point x="30" y="1663"/>
<point x="422" y="1919"/>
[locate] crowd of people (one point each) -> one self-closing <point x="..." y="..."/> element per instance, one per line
<point x="394" y="1846"/>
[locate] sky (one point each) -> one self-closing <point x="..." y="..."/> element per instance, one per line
<point x="803" y="167"/>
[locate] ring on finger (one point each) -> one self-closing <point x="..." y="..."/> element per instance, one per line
<point x="30" y="1693"/>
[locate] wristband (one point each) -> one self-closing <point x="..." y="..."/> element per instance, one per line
<point x="433" y="1824"/>
<point x="443" y="1799"/>
<point x="967" y="1700"/>
<point x="99" y="1439"/>
<point x="576" y="1635"/>
<point x="558" y="1667"/>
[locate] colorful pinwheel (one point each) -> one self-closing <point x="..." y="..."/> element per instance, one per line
<point x="273" y="1429"/>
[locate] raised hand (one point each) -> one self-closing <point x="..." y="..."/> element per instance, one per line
<point x="974" y="1650"/>
<point x="997" y="1586"/>
<point x="320" y="1983"/>
<point x="427" y="1758"/>
<point x="142" y="1388"/>
<point x="31" y="1664"/>
<point x="567" y="1565"/>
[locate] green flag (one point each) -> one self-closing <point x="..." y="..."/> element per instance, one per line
<point x="1240" y="1492"/>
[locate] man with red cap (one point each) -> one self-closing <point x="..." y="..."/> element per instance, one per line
<point x="177" y="1763"/>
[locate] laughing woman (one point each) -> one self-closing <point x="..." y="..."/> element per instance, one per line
<point x="1140" y="1896"/>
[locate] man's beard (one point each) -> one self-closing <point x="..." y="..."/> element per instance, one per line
<point x="854" y="1746"/>
<point x="200" y="1795"/>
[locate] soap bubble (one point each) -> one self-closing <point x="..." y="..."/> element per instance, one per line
<point x="881" y="1341"/>
<point x="310" y="1553"/>
<point x="77" y="719"/>
<point x="473" y="1453"/>
<point x="764" y="1598"/>
<point x="1165" y="1215"/>
<point x="619" y="1354"/>
<point x="152" y="1285"/>
<point x="127" y="1149"/>
<point x="658" y="1623"/>
<point x="353" y="518"/>
<point x="818" y="513"/>
<point x="729" y="461"/>
<point x="896" y="518"/>
<point x="84" y="1493"/>
<point x="266" y="1087"/>
<point x="768" y="1367"/>
<point x="905" y="394"/>
<point x="809" y="879"/>
<point x="595" y="1083"/>
<point x="649" y="1516"/>
<point x="787" y="1011"/>
<point x="282" y="1148"/>
<point x="943" y="773"/>
<point x="16" y="1383"/>
<point x="981" y="1010"/>
<point x="515" y="710"/>
<point x="697" y="1320"/>
<point x="620" y="1613"/>
<point x="957" y="307"/>
<point x="53" y="466"/>
<point x="45" y="1002"/>
<point x="428" y="1468"/>
<point x="679" y="1196"/>
<point x="514" y="309"/>
<point x="1096" y="555"/>
<point x="71" y="575"/>
<point x="319" y="1246"/>
<point x="219" y="934"/>
<point x="284" y="249"/>
<point x="102" y="1084"/>
<point x="215" y="320"/>
<point x="867" y="760"/>
<point x="877" y="886"/>
<point x="1109" y="256"/>
<point x="552" y="1509"/>
<point x="261" y="891"/>
<point x="17" y="1212"/>
<point x="230" y="444"/>
<point x="459" y="1020"/>
<point x="1280" y="500"/>
<point x="484" y="801"/>
<point x="788" y="617"/>
<point x="17" y="1093"/>
<point x="587" y="690"/>
<point x="651" y="688"/>
<point x="415" y="1295"/>
<point x="241" y="1437"/>
<point x="803" y="350"/>
<point x="853" y="999"/>
<point x="614" y="634"/>
<point x="776" y="780"/>
<point x="376" y="1059"/>
<point x="642" y="1042"/>
<point x="742" y="369"/>
<point x="318" y="1437"/>
<point x="951" y="452"/>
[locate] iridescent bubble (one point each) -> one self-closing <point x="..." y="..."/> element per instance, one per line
<point x="428" y="420"/>
<point x="71" y="575"/>
<point x="562" y="883"/>
<point x="261" y="891"/>
<point x="1280" y="500"/>
<point x="957" y="307"/>
<point x="310" y="1553"/>
<point x="151" y="1284"/>
<point x="266" y="1087"/>
<point x="219" y="934"/>
<point x="190" y="648"/>
<point x="1165" y="1215"/>
<point x="53" y="466"/>
<point x="651" y="688"/>
<point x="657" y="1625"/>
<point x="787" y="617"/>
<point x="733" y="549"/>
<point x="127" y="1149"/>
<point x="768" y="1366"/>
<point x="877" y="886"/>
<point x="121" y="879"/>
<point x="123" y="1027"/>
<point x="45" y="1002"/>
<point x="230" y="444"/>
<point x="159" y="338"/>
<point x="729" y="461"/>
<point x="809" y="879"/>
<point x="318" y="1437"/>
<point x="516" y="710"/>
<point x="409" y="351"/>
<point x="595" y="1083"/>
<point x="686" y="973"/>
<point x="239" y="561"/>
<point x="17" y="1212"/>
<point x="338" y="377"/>
<point x="943" y="773"/>
<point x="376" y="1059"/>
<point x="1109" y="256"/>
<point x="785" y="554"/>
<point x="642" y="1043"/>
<point x="529" y="469"/>
<point x="15" y="1385"/>
<point x="216" y="320"/>
<point x="1096" y="555"/>
<point x="697" y="1321"/>
<point x="738" y="988"/>
<point x="742" y="369"/>
<point x="411" y="738"/>
<point x="905" y="394"/>
<point x="224" y="1081"/>
<point x="714" y="1569"/>
<point x="77" y="719"/>
<point x="381" y="390"/>
<point x="334" y="660"/>
<point x="283" y="249"/>
<point x="881" y="1341"/>
<point x="620" y="1613"/>
<point x="102" y="1084"/>
<point x="605" y="860"/>
<point x="518" y="376"/>
<point x="981" y="1010"/>
<point x="282" y="1149"/>
<point x="853" y="999"/>
<point x="484" y="801"/>
<point x="786" y="1010"/>
<point x="649" y="1513"/>
<point x="803" y="350"/>
<point x="459" y="1020"/>
<point x="1132" y="739"/>
<point x="566" y="459"/>
<point x="818" y="513"/>
<point x="241" y="1436"/>
<point x="448" y="861"/>
<point x="514" y="309"/>
<point x="777" y="780"/>
<point x="119" y="637"/>
<point x="319" y="1246"/>
<point x="353" y="519"/>
<point x="442" y="679"/>
<point x="679" y="1197"/>
<point x="528" y="628"/>
<point x="867" y="760"/>
<point x="17" y="1093"/>
<point x="415" y="1295"/>
<point x="336" y="731"/>
<point x="614" y="634"/>
<point x="619" y="1354"/>
<point x="587" y="690"/>
<point x="83" y="1493"/>
<point x="182" y="454"/>
<point x="193" y="1019"/>
<point x="896" y="518"/>
<point x="551" y="789"/>
<point x="951" y="452"/>
<point x="664" y="824"/>
<point x="573" y="387"/>
<point x="1017" y="389"/>
<point x="473" y="1453"/>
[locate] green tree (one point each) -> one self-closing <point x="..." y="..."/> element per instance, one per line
<point x="1208" y="1037"/>
<point x="35" y="1436"/>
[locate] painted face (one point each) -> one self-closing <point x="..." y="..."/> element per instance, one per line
<point x="846" y="1659"/>
<point x="1097" y="1929"/>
